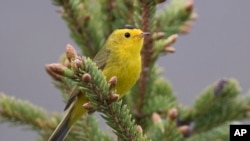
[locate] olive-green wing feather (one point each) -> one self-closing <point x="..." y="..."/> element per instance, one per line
<point x="101" y="57"/>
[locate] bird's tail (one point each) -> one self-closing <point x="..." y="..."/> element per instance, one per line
<point x="73" y="113"/>
<point x="61" y="130"/>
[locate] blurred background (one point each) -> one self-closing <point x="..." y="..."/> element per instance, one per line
<point x="33" y="34"/>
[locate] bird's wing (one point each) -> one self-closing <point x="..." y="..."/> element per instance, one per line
<point x="101" y="57"/>
<point x="72" y="98"/>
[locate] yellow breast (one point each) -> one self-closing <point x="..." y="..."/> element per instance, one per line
<point x="127" y="70"/>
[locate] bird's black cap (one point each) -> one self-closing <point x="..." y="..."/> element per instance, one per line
<point x="129" y="27"/>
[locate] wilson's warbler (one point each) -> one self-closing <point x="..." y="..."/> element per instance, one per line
<point x="119" y="57"/>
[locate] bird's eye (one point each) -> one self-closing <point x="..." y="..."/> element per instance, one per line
<point x="127" y="35"/>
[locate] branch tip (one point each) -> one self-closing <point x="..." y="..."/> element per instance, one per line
<point x="55" y="67"/>
<point x="156" y="118"/>
<point x="86" y="77"/>
<point x="171" y="40"/>
<point x="70" y="52"/>
<point x="186" y="27"/>
<point x="113" y="98"/>
<point x="172" y="114"/>
<point x="113" y="81"/>
<point x="139" y="129"/>
<point x="185" y="130"/>
<point x="158" y="35"/>
<point x="169" y="49"/>
<point x="220" y="86"/>
<point x="55" y="70"/>
<point x="78" y="62"/>
<point x="88" y="106"/>
<point x="189" y="6"/>
<point x="193" y="16"/>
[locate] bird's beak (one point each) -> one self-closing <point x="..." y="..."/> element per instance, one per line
<point x="145" y="33"/>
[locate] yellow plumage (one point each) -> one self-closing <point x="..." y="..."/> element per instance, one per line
<point x="119" y="57"/>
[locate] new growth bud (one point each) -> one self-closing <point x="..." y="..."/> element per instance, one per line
<point x="172" y="114"/>
<point x="156" y="118"/>
<point x="86" y="78"/>
<point x="158" y="35"/>
<point x="113" y="97"/>
<point x="220" y="86"/>
<point x="139" y="129"/>
<point x="167" y="44"/>
<point x="193" y="16"/>
<point x="67" y="63"/>
<point x="189" y="6"/>
<point x="169" y="49"/>
<point x="113" y="82"/>
<point x="70" y="52"/>
<point x="55" y="67"/>
<point x="78" y="62"/>
<point x="185" y="130"/>
<point x="55" y="70"/>
<point x="88" y="106"/>
<point x="186" y="27"/>
<point x="170" y="40"/>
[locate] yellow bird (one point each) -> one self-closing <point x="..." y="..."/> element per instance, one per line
<point x="120" y="57"/>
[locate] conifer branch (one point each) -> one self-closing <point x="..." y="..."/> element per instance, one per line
<point x="158" y="89"/>
<point x="116" y="114"/>
<point x="68" y="13"/>
<point x="94" y="132"/>
<point x="87" y="129"/>
<point x="86" y="21"/>
<point x="176" y="18"/>
<point x="159" y="98"/>
<point x="21" y="112"/>
<point x="217" y="105"/>
<point x="153" y="103"/>
<point x="166" y="128"/>
<point x="219" y="133"/>
<point x="83" y="22"/>
<point x="16" y="111"/>
<point x="118" y="13"/>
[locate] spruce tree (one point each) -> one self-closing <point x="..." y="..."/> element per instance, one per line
<point x="150" y="110"/>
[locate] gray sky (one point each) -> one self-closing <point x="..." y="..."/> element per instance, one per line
<point x="32" y="34"/>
